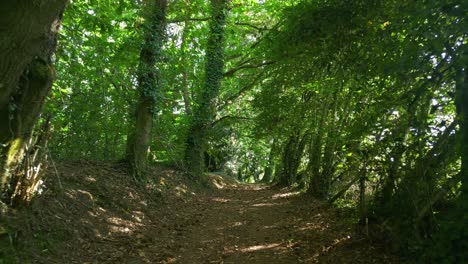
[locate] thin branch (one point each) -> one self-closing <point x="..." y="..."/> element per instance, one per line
<point x="346" y="188"/>
<point x="228" y="117"/>
<point x="121" y="89"/>
<point x="185" y="19"/>
<point x="233" y="71"/>
<point x="243" y="90"/>
<point x="252" y="26"/>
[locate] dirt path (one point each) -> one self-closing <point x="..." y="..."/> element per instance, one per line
<point x="97" y="214"/>
<point x="254" y="224"/>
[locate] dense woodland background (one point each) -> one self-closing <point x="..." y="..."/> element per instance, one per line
<point x="359" y="103"/>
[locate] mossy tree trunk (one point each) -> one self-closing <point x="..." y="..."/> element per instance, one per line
<point x="28" y="37"/>
<point x="204" y="114"/>
<point x="149" y="86"/>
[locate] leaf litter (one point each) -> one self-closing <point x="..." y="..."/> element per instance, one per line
<point x="100" y="215"/>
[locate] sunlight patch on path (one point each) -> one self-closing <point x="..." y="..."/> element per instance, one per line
<point x="259" y="247"/>
<point x="314" y="227"/>
<point x="253" y="248"/>
<point x="265" y="204"/>
<point x="220" y="200"/>
<point x="284" y="195"/>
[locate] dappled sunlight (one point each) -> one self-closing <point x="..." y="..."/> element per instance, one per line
<point x="231" y="225"/>
<point x="270" y="227"/>
<point x="97" y="214"/>
<point x="335" y="243"/>
<point x="254" y="248"/>
<point x="265" y="204"/>
<point x="285" y="195"/>
<point x="119" y="225"/>
<point x="243" y="223"/>
<point x="218" y="184"/>
<point x="221" y="181"/>
<point x="259" y="247"/>
<point x="170" y="260"/>
<point x="180" y="190"/>
<point x="90" y="179"/>
<point x="255" y="187"/>
<point x="314" y="227"/>
<point x="138" y="216"/>
<point x="327" y="249"/>
<point x="80" y="195"/>
<point x="235" y="224"/>
<point x="220" y="200"/>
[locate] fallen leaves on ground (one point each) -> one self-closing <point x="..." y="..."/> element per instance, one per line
<point x="102" y="216"/>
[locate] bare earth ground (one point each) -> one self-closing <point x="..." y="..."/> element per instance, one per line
<point x="93" y="213"/>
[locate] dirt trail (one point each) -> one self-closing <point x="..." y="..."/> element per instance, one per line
<point x="255" y="224"/>
<point x="97" y="214"/>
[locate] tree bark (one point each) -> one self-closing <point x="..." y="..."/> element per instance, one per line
<point x="362" y="196"/>
<point x="461" y="101"/>
<point x="28" y="37"/>
<point x="186" y="95"/>
<point x="318" y="186"/>
<point x="268" y="172"/>
<point x="291" y="158"/>
<point x="149" y="85"/>
<point x="204" y="114"/>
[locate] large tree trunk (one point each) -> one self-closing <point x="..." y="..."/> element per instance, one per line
<point x="28" y="37"/>
<point x="149" y="86"/>
<point x="204" y="114"/>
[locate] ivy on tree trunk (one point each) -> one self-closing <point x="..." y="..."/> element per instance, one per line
<point x="149" y="86"/>
<point x="204" y="114"/>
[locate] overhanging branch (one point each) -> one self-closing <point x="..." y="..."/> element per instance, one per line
<point x="243" y="90"/>
<point x="185" y="19"/>
<point x="243" y="66"/>
<point x="251" y="26"/>
<point x="227" y="118"/>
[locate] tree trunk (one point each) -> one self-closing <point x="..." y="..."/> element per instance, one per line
<point x="204" y="114"/>
<point x="186" y="95"/>
<point x="318" y="186"/>
<point x="287" y="160"/>
<point x="268" y="173"/>
<point x="149" y="85"/>
<point x="462" y="116"/>
<point x="362" y="196"/>
<point x="291" y="159"/>
<point x="28" y="37"/>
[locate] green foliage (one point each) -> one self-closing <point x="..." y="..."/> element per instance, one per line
<point x="372" y="88"/>
<point x="449" y="243"/>
<point x="322" y="93"/>
<point x="96" y="61"/>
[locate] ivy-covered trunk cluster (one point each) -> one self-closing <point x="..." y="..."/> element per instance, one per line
<point x="28" y="38"/>
<point x="149" y="87"/>
<point x="205" y="111"/>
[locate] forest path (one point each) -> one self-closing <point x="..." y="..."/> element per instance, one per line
<point x="97" y="214"/>
<point x="256" y="224"/>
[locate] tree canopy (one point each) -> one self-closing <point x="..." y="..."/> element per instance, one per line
<point x="362" y="104"/>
